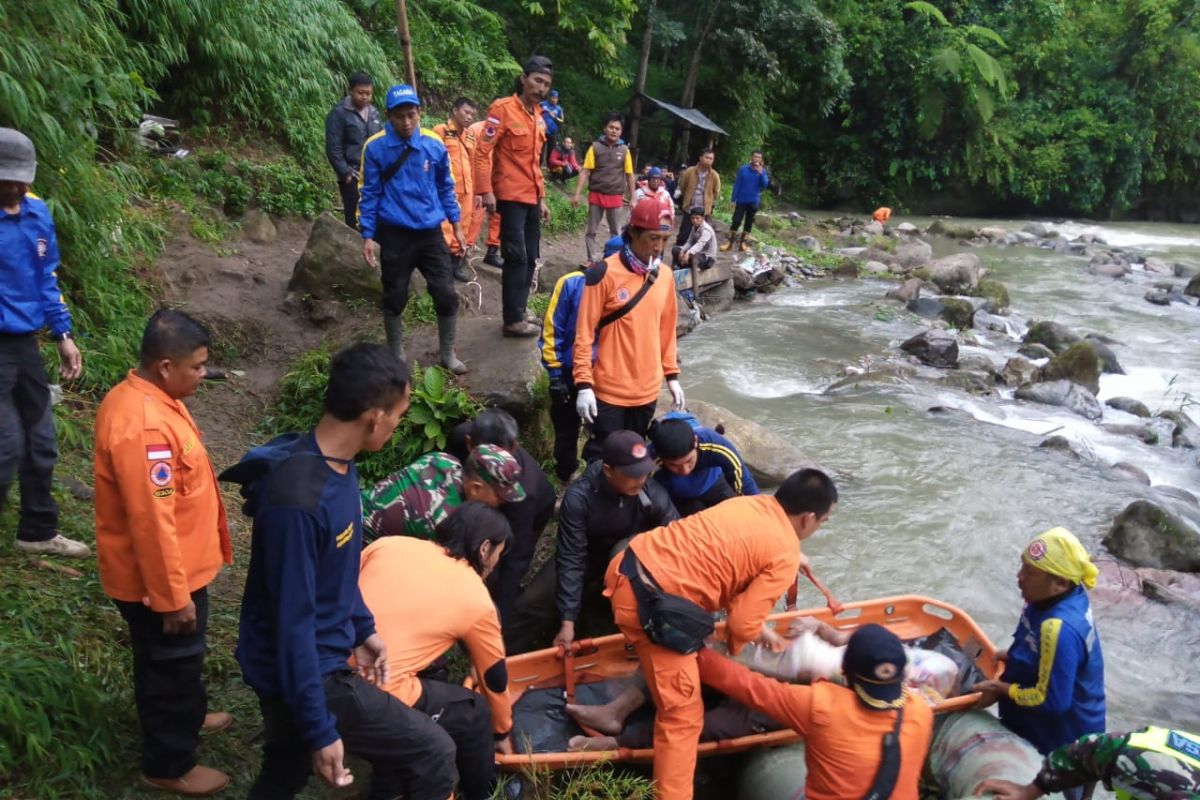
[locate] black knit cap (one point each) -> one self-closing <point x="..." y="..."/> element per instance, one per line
<point x="538" y="64"/>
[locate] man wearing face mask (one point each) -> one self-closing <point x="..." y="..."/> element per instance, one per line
<point x="610" y="502"/>
<point x="629" y="315"/>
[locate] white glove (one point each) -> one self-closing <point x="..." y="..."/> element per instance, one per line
<point x="585" y="405"/>
<point x="677" y="399"/>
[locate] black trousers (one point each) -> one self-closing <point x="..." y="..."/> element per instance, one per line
<point x="28" y="451"/>
<point x="400" y="252"/>
<point x="413" y="751"/>
<point x="535" y="620"/>
<point x="505" y="582"/>
<point x="717" y="493"/>
<point x="728" y="720"/>
<point x="611" y="418"/>
<point x="520" y="247"/>
<point x="566" y="422"/>
<point x="349" y="193"/>
<point x="701" y="261"/>
<point x="168" y="687"/>
<point x="740" y="211"/>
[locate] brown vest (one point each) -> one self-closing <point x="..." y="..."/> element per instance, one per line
<point x="609" y="175"/>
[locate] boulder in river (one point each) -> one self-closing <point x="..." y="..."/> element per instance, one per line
<point x="1156" y="266"/>
<point x="331" y="266"/>
<point x="907" y="228"/>
<point x="1193" y="287"/>
<point x="1186" y="433"/>
<point x="926" y="307"/>
<point x="1078" y="364"/>
<point x="1038" y="229"/>
<point x="1128" y="405"/>
<point x="909" y="290"/>
<point x="1053" y="335"/>
<point x="1158" y="297"/>
<point x="956" y="274"/>
<point x="809" y="243"/>
<point x="993" y="290"/>
<point x="847" y="269"/>
<point x="1108" y="359"/>
<point x="935" y="348"/>
<point x="951" y="230"/>
<point x="1063" y="393"/>
<point x="875" y="268"/>
<point x="969" y="380"/>
<point x="1035" y="350"/>
<point x="1148" y="535"/>
<point x="770" y="457"/>
<point x="994" y="233"/>
<point x="957" y="312"/>
<point x="1144" y="432"/>
<point x="912" y="254"/>
<point x="1109" y="270"/>
<point x="1060" y="443"/>
<point x="1019" y="371"/>
<point x="1131" y="472"/>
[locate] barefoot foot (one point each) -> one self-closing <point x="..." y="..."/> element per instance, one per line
<point x="601" y="719"/>
<point x="577" y="744"/>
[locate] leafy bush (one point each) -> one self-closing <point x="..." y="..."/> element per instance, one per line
<point x="564" y="218"/>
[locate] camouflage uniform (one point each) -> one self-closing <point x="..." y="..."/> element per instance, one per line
<point x="414" y="500"/>
<point x="1151" y="764"/>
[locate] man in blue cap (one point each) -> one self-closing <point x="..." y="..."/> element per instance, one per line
<point x="552" y="114"/>
<point x="406" y="192"/>
<point x="653" y="187"/>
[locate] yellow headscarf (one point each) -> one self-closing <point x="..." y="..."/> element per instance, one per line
<point x="1059" y="553"/>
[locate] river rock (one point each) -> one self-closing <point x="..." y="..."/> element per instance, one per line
<point x="985" y="321"/>
<point x="743" y="281"/>
<point x="951" y="230"/>
<point x="907" y="291"/>
<point x="973" y="381"/>
<point x="1186" y="433"/>
<point x="1019" y="371"/>
<point x="718" y="298"/>
<point x="331" y="266"/>
<point x="1148" y="535"/>
<point x="1128" y="405"/>
<point x="873" y="228"/>
<point x="847" y="269"/>
<point x="687" y="317"/>
<point x="1038" y="229"/>
<point x="956" y="274"/>
<point x="1108" y="359"/>
<point x="1175" y="493"/>
<point x="1109" y="270"/>
<point x="994" y="233"/>
<point x="1061" y="444"/>
<point x="809" y="243"/>
<point x="258" y="227"/>
<point x="1057" y="337"/>
<point x="1035" y="350"/>
<point x="1157" y="266"/>
<point x="1158" y="297"/>
<point x="552" y="269"/>
<point x="912" y="254"/>
<point x="926" y="307"/>
<point x="1063" y="393"/>
<point x="992" y="290"/>
<point x="770" y="457"/>
<point x="1131" y="472"/>
<point x="1146" y="434"/>
<point x="957" y="312"/>
<point x="933" y="347"/>
<point x="875" y="268"/>
<point x="1193" y="287"/>
<point x="1078" y="364"/>
<point x="907" y="228"/>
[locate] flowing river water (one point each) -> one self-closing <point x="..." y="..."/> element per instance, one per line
<point x="941" y="503"/>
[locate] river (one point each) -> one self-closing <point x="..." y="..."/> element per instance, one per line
<point x="942" y="503"/>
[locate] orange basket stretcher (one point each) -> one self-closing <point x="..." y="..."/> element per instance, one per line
<point x="610" y="657"/>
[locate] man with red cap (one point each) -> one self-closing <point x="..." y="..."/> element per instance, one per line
<point x="625" y="333"/>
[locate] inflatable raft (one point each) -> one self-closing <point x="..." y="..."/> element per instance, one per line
<point x="541" y="682"/>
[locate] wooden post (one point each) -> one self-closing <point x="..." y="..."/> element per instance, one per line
<point x="410" y="68"/>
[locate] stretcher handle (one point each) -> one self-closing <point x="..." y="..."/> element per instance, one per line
<point x="567" y="654"/>
<point x="830" y="600"/>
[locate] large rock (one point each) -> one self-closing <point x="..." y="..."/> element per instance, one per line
<point x="951" y="230"/>
<point x="907" y="291"/>
<point x="1131" y="472"/>
<point x="1156" y="266"/>
<point x="907" y="228"/>
<point x="957" y="312"/>
<point x="1186" y="433"/>
<point x="258" y="227"/>
<point x="1158" y="297"/>
<point x="1035" y="350"/>
<point x="331" y="266"/>
<point x="935" y="348"/>
<point x="926" y="307"/>
<point x="718" y="297"/>
<point x="1070" y="396"/>
<point x="1038" y="229"/>
<point x="551" y="270"/>
<point x="1078" y="364"/>
<point x="743" y="281"/>
<point x="1057" y="337"/>
<point x="1108" y="359"/>
<point x="994" y="233"/>
<point x="1193" y="287"/>
<point x="875" y="268"/>
<point x="1109" y="270"/>
<point x="770" y="457"/>
<point x="1019" y="371"/>
<point x="1128" y="405"/>
<point x="912" y="254"/>
<point x="1148" y="535"/>
<point x="687" y="317"/>
<point x="810" y="243"/>
<point x="956" y="274"/>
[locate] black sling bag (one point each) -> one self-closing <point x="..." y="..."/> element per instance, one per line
<point x="889" y="766"/>
<point x="395" y="166"/>
<point x="670" y="621"/>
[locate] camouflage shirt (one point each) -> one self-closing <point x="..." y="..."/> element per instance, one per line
<point x="413" y="500"/>
<point x="1129" y="770"/>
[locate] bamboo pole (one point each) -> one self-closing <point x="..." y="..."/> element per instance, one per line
<point x="410" y="68"/>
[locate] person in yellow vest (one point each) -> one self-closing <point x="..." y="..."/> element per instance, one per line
<point x="459" y="135"/>
<point x="1151" y="764"/>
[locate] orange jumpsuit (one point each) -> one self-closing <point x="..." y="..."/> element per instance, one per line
<point x="161" y="531"/>
<point x="882" y="214"/>
<point x="636" y="352"/>
<point x="493" y="232"/>
<point x="508" y="155"/>
<point x="460" y="145"/>
<point x="741" y="556"/>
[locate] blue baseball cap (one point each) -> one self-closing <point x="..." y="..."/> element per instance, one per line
<point x="402" y="94"/>
<point x="654" y="172"/>
<point x="554" y="92"/>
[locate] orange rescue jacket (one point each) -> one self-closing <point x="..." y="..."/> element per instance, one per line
<point x="161" y="531"/>
<point x="508" y="156"/>
<point x="460" y="144"/>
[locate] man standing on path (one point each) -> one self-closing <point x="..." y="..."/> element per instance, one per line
<point x="407" y="192"/>
<point x="608" y="174"/>
<point x="161" y="538"/>
<point x="699" y="185"/>
<point x="492" y="256"/>
<point x="628" y="312"/>
<point x="557" y="346"/>
<point x="748" y="187"/>
<point x="347" y="127"/>
<point x="456" y="134"/>
<point x="552" y="115"/>
<point x="29" y="301"/>
<point x="508" y="176"/>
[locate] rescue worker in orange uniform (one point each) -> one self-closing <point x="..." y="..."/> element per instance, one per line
<point x="457" y="134"/>
<point x="161" y="538"/>
<point x="478" y="214"/>
<point x="628" y="312"/>
<point x="425" y="597"/>
<point x="882" y="215"/>
<point x="740" y="556"/>
<point x="508" y="178"/>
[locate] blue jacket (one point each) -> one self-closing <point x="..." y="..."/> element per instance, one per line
<point x="1057" y="669"/>
<point x="302" y="612"/>
<point x="716" y="458"/>
<point x="557" y="341"/>
<point x="614" y="245"/>
<point x="550" y="113"/>
<point x="748" y="185"/>
<point x="29" y="295"/>
<point x="419" y="197"/>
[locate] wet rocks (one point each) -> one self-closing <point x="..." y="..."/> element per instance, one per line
<point x="770" y="457"/>
<point x="1108" y="359"/>
<point x="957" y="312"/>
<point x="912" y="254"/>
<point x="1060" y="444"/>
<point x="1158" y="297"/>
<point x="1193" y="287"/>
<point x="907" y="228"/>
<point x="331" y="266"/>
<point x="1109" y="270"/>
<point x="994" y="233"/>
<point x="1156" y="266"/>
<point x="1019" y="371"/>
<point x="1186" y="433"/>
<point x="809" y="243"/>
<point x="1063" y="393"/>
<point x="1128" y="405"/>
<point x="1038" y="229"/>
<point x="1149" y="535"/>
<point x="875" y="268"/>
<point x="951" y="230"/>
<point x="1051" y="334"/>
<point x="956" y="274"/>
<point x="258" y="227"/>
<point x="1131" y="472"/>
<point x="1143" y="432"/>
<point x="1035" y="350"/>
<point x="993" y="290"/>
<point x="973" y="381"/>
<point x="909" y="290"/>
<point x="933" y="347"/>
<point x="1078" y="364"/>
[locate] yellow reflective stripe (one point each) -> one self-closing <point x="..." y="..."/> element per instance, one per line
<point x="549" y="352"/>
<point x="432" y="132"/>
<point x="362" y="172"/>
<point x="722" y="450"/>
<point x="1036" y="695"/>
<point x="1155" y="739"/>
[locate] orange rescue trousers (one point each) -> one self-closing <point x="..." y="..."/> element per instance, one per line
<point x="674" y="683"/>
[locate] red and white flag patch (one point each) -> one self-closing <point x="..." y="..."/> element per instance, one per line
<point x="158" y="452"/>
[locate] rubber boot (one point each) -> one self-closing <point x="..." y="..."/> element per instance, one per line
<point x="492" y="257"/>
<point x="742" y="246"/>
<point x="460" y="272"/>
<point x="446" y="334"/>
<point x="393" y="326"/>
<point x="727" y="245"/>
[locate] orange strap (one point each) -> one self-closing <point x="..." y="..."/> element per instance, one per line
<point x="567" y="653"/>
<point x="830" y="600"/>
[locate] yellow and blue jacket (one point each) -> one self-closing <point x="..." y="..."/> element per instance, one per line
<point x="557" y="341"/>
<point x="419" y="197"/>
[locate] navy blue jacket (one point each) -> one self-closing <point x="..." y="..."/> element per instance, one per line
<point x="748" y="185"/>
<point x="302" y="612"/>
<point x="419" y="197"/>
<point x="29" y="295"/>
<point x="557" y="341"/>
<point x="345" y="133"/>
<point x="716" y="458"/>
